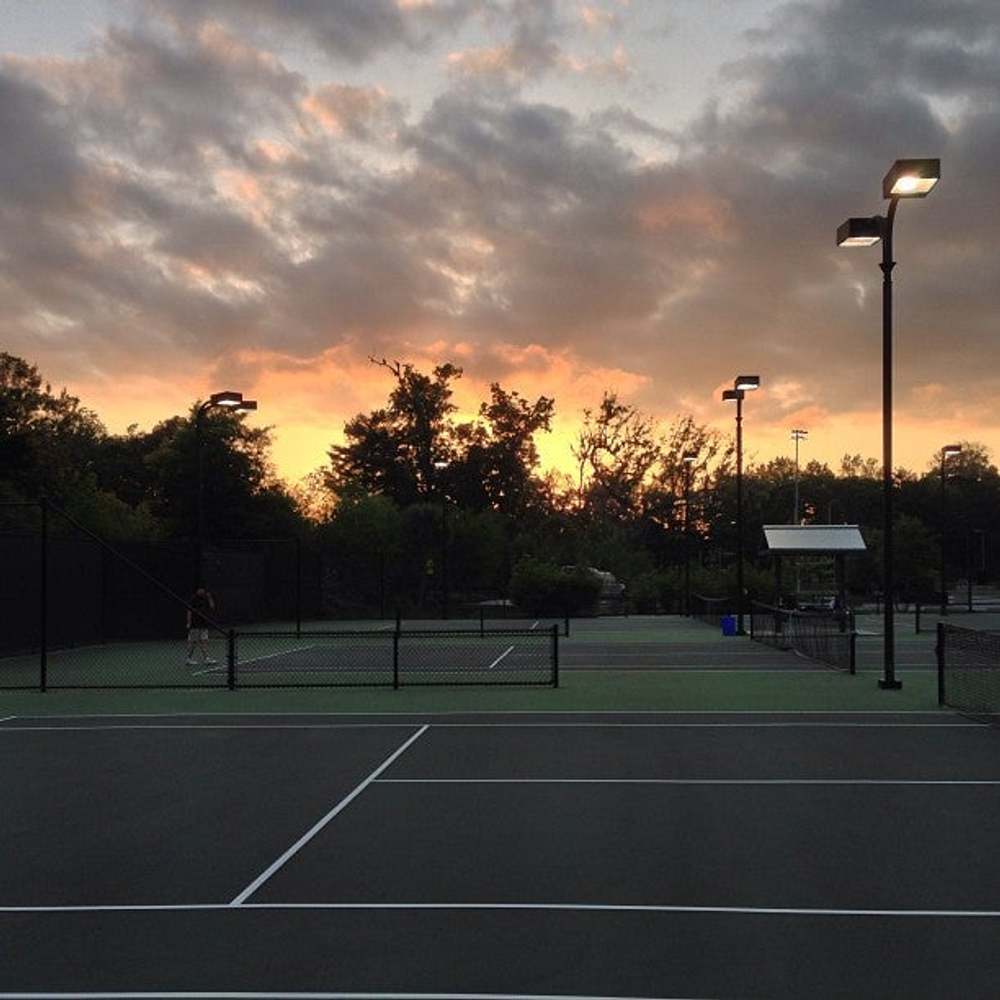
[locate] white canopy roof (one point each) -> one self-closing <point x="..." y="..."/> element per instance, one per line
<point x="805" y="539"/>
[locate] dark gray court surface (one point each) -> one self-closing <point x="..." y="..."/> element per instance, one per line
<point x="570" y="855"/>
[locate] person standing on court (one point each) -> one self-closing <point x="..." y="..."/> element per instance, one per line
<point x="201" y="604"/>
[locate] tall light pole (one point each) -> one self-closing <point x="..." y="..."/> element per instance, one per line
<point x="689" y="458"/>
<point x="741" y="385"/>
<point x="946" y="452"/>
<point x="227" y="400"/>
<point x="905" y="179"/>
<point x="439" y="467"/>
<point x="797" y="435"/>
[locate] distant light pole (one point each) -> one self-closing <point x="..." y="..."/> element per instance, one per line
<point x="439" y="467"/>
<point x="797" y="435"/>
<point x="227" y="400"/>
<point x="905" y="179"/>
<point x="689" y="458"/>
<point x="946" y="452"/>
<point x="741" y="385"/>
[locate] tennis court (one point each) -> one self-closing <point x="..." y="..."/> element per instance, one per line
<point x="560" y="854"/>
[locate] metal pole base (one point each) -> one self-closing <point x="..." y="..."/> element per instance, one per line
<point x="892" y="685"/>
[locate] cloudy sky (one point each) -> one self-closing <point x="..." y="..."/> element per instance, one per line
<point x="563" y="195"/>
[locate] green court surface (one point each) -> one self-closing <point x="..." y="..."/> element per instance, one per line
<point x="719" y="674"/>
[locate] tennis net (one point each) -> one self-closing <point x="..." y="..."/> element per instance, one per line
<point x="710" y="610"/>
<point x="826" y="637"/>
<point x="969" y="670"/>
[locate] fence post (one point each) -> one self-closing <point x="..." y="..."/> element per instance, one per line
<point x="555" y="656"/>
<point x="854" y="643"/>
<point x="482" y="620"/>
<point x="566" y="622"/>
<point x="43" y="639"/>
<point x="399" y="619"/>
<point x="916" y="618"/>
<point x="939" y="650"/>
<point x="395" y="660"/>
<point x="298" y="586"/>
<point x="231" y="659"/>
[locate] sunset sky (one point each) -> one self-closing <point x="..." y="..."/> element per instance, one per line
<point x="565" y="196"/>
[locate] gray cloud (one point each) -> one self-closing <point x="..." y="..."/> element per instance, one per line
<point x="189" y="195"/>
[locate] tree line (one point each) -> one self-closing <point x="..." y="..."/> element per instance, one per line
<point x="415" y="506"/>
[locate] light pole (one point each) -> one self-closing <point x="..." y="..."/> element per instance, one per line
<point x="797" y="435"/>
<point x="439" y="467"/>
<point x="905" y="179"/>
<point x="227" y="400"/>
<point x="689" y="458"/>
<point x="741" y="385"/>
<point x="946" y="452"/>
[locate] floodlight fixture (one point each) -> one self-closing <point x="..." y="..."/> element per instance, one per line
<point x="859" y="232"/>
<point x="798" y="434"/>
<point x="731" y="394"/>
<point x="747" y="382"/>
<point x="911" y="178"/>
<point x="689" y="457"/>
<point x="441" y="464"/>
<point x="247" y="404"/>
<point x="951" y="449"/>
<point x="227" y="398"/>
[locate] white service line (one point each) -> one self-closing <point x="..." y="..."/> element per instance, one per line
<point x="339" y="807"/>
<point x="682" y="781"/>
<point x="255" y="659"/>
<point x="498" y="907"/>
<point x="210" y="725"/>
<point x="284" y="995"/>
<point x="509" y="649"/>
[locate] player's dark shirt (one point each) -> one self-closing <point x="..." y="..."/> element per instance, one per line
<point x="200" y="607"/>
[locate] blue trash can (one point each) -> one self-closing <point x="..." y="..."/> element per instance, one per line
<point x="729" y="625"/>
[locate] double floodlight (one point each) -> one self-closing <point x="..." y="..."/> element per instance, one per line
<point x="905" y="179"/>
<point x="231" y="400"/>
<point x="798" y="434"/>
<point x="911" y="178"/>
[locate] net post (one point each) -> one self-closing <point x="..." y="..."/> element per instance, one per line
<point x="555" y="656"/>
<point x="395" y="659"/>
<point x="939" y="650"/>
<point x="43" y="596"/>
<point x="231" y="659"/>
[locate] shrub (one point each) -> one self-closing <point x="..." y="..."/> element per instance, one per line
<point x="542" y="588"/>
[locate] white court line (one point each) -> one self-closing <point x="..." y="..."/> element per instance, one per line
<point x="339" y="807"/>
<point x="284" y="995"/>
<point x="255" y="659"/>
<point x="210" y="725"/>
<point x="794" y="911"/>
<point x="972" y="726"/>
<point x="533" y="627"/>
<point x="509" y="649"/>
<point x="683" y="781"/>
<point x="8" y="718"/>
<point x="513" y="711"/>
